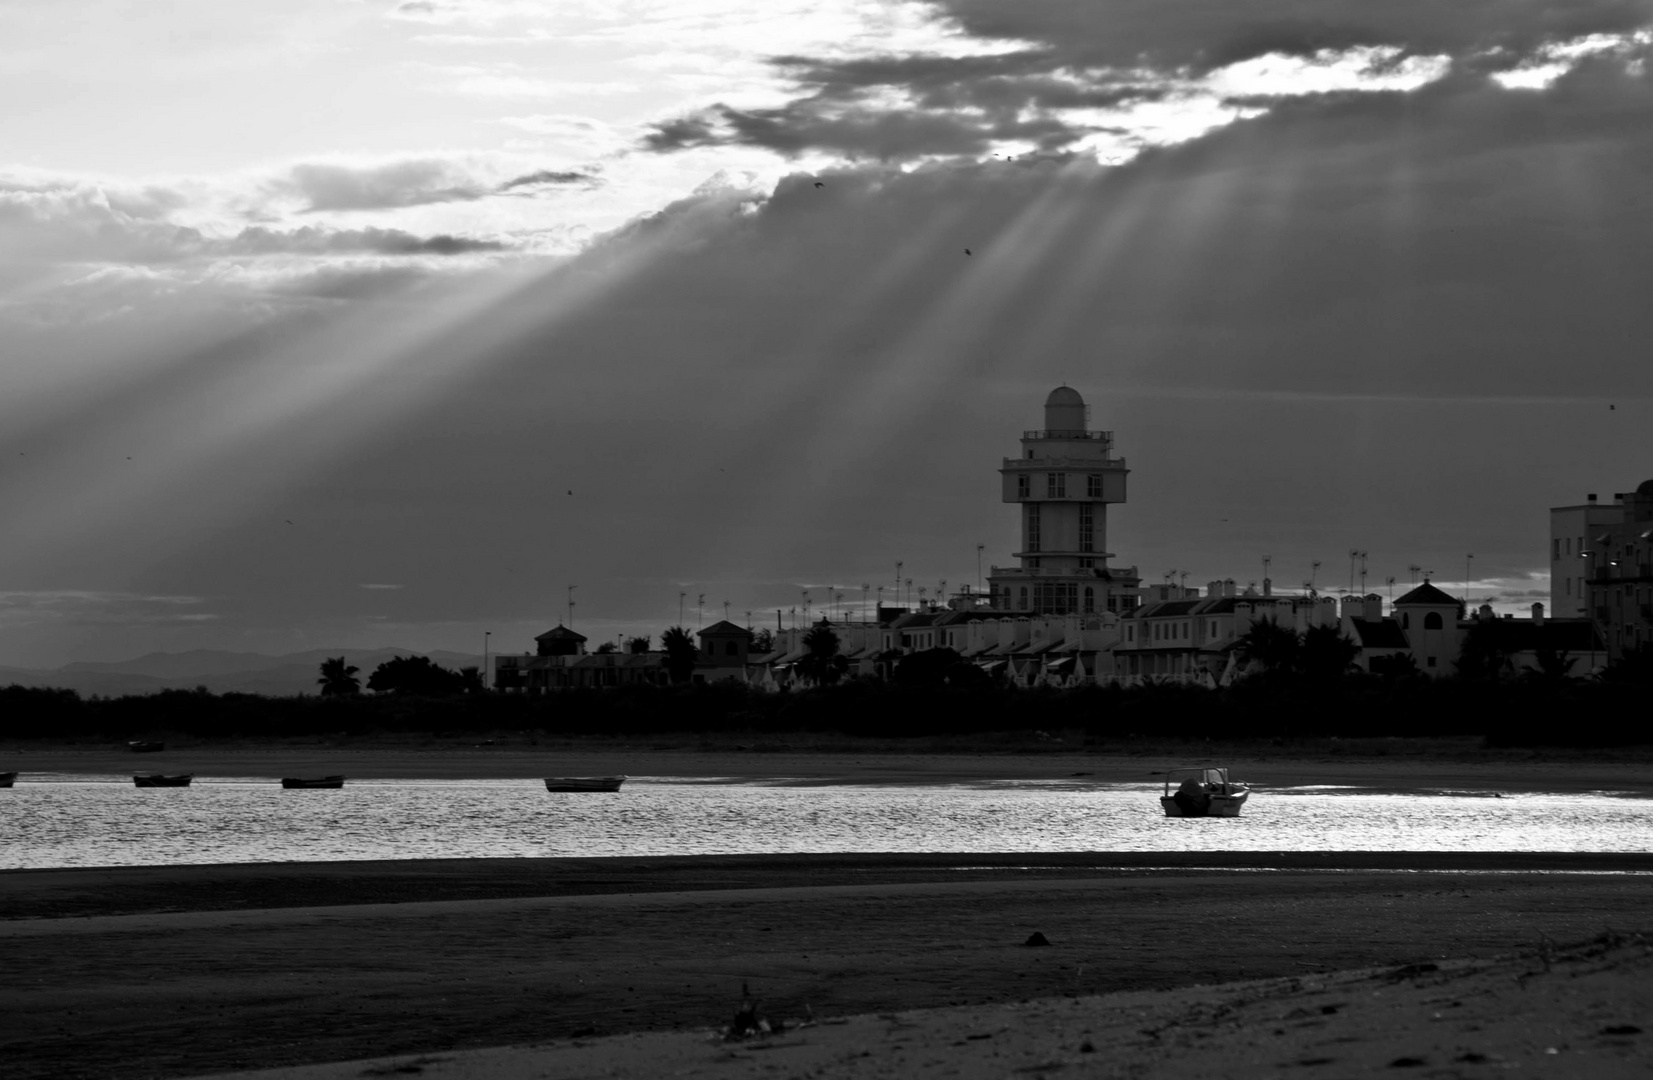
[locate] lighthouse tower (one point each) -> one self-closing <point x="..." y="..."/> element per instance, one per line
<point x="1064" y="480"/>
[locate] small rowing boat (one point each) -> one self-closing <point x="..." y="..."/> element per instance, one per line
<point x="156" y="779"/>
<point x="310" y="783"/>
<point x="584" y="783"/>
<point x="7" y="779"/>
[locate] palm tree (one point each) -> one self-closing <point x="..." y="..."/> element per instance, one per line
<point x="1270" y="646"/>
<point x="822" y="662"/>
<point x="1326" y="652"/>
<point x="337" y="677"/>
<point x="681" y="653"/>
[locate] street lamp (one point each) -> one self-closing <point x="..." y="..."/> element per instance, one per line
<point x="485" y="679"/>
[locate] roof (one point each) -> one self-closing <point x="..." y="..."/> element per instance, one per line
<point x="1161" y="608"/>
<point x="1428" y="594"/>
<point x="723" y="627"/>
<point x="1379" y="634"/>
<point x="560" y="633"/>
<point x="1064" y="395"/>
<point x="1558" y="635"/>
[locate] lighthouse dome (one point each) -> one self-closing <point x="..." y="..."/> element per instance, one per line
<point x="1065" y="410"/>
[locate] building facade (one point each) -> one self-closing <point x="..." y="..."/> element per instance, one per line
<point x="1063" y="483"/>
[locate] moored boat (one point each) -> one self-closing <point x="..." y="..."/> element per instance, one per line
<point x="584" y="783"/>
<point x="312" y="782"/>
<point x="1203" y="792"/>
<point x="7" y="779"/>
<point x="145" y="746"/>
<point x="155" y="779"/>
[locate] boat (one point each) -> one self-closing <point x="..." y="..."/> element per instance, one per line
<point x="1202" y="792"/>
<point x="145" y="746"/>
<point x="584" y="783"/>
<point x="155" y="779"/>
<point x="7" y="779"/>
<point x="312" y="782"/>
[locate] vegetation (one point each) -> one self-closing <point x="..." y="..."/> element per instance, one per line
<point x="933" y="699"/>
<point x="338" y="677"/>
<point x="821" y="663"/>
<point x="681" y="654"/>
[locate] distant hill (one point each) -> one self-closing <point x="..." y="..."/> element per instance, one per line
<point x="218" y="670"/>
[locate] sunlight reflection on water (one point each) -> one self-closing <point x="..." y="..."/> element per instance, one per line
<point x="106" y="821"/>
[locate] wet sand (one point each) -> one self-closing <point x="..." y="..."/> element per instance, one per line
<point x="179" y="971"/>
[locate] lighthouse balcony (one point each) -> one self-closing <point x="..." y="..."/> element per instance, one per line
<point x="1069" y="433"/>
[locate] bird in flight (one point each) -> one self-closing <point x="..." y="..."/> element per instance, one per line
<point x="819" y="184"/>
<point x="571" y="492"/>
<point x="288" y="520"/>
<point x="967" y="251"/>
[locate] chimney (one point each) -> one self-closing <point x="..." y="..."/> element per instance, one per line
<point x="1591" y="496"/>
<point x="1228" y="587"/>
<point x="1268" y="587"/>
<point x="1538" y="614"/>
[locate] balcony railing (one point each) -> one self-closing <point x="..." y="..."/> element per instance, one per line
<point x="1069" y="433"/>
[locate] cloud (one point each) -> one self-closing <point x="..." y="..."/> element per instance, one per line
<point x="380" y="187"/>
<point x="315" y="240"/>
<point x="375" y="586"/>
<point x="548" y="178"/>
<point x="1092" y="75"/>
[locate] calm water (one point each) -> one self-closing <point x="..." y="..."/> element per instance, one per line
<point x="50" y="821"/>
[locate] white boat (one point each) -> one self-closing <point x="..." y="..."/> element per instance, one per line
<point x="584" y="783"/>
<point x="1202" y="792"/>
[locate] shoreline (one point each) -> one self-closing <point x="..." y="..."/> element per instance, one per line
<point x="1379" y="765"/>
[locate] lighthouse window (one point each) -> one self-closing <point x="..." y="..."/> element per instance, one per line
<point x="1090" y="600"/>
<point x="1033" y="527"/>
<point x="1093" y="486"/>
<point x="1056" y="485"/>
<point x="1087" y="529"/>
<point x="1022" y="487"/>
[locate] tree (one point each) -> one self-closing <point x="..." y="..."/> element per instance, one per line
<point x="415" y="675"/>
<point x="1270" y="646"/>
<point x="763" y="642"/>
<point x="1484" y="653"/>
<point x="605" y="648"/>
<point x="471" y="680"/>
<point x="1326" y="652"/>
<point x="930" y="667"/>
<point x="681" y="654"/>
<point x="338" y="678"/>
<point x="637" y="645"/>
<point x="821" y="662"/>
<point x="1554" y="666"/>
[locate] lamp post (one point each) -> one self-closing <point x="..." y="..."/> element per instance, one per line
<point x="485" y="679"/>
<point x="979" y="548"/>
<point x="682" y="596"/>
<point x="571" y="589"/>
<point x="1467" y="560"/>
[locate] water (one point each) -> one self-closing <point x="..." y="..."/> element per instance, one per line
<point x="49" y="821"/>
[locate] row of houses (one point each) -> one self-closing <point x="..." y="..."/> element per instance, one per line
<point x="1179" y="635"/>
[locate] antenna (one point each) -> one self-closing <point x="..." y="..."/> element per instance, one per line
<point x="571" y="589"/>
<point x="1314" y="573"/>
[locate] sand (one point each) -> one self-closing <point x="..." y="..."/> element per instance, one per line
<point x="379" y="969"/>
<point x="1561" y="1012"/>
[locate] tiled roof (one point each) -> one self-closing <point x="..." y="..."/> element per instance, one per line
<point x="560" y="633"/>
<point x="1427" y="594"/>
<point x="723" y="628"/>
<point x="1379" y="634"/>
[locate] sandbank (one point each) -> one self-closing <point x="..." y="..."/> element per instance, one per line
<point x="183" y="971"/>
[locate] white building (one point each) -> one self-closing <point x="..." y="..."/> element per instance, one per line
<point x="1063" y="481"/>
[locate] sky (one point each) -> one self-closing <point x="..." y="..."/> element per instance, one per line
<point x="331" y="323"/>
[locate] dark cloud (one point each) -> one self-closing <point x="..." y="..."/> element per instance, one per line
<point x="1080" y="54"/>
<point x="552" y="178"/>
<point x="313" y="240"/>
<point x="381" y="187"/>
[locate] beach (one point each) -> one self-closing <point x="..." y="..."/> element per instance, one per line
<point x="197" y="970"/>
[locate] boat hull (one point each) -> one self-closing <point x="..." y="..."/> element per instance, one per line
<point x="312" y="783"/>
<point x="7" y="779"/>
<point x="584" y="783"/>
<point x="1217" y="806"/>
<point x="157" y="780"/>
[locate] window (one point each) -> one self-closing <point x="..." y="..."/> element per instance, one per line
<point x="1432" y="621"/>
<point x="1555" y="549"/>
<point x="1033" y="526"/>
<point x="1093" y="486"/>
<point x="1429" y="662"/>
<point x="1023" y="488"/>
<point x="1090" y="600"/>
<point x="1087" y="528"/>
<point x="1130" y="633"/>
<point x="1406" y="620"/>
<point x="1024" y="597"/>
<point x="1056" y="485"/>
<point x="729" y="649"/>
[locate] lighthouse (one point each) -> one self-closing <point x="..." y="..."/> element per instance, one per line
<point x="1063" y="481"/>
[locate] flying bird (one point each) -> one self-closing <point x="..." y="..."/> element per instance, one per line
<point x="967" y="251"/>
<point x="288" y="520"/>
<point x="571" y="491"/>
<point x="819" y="184"/>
